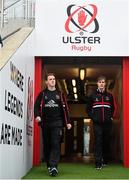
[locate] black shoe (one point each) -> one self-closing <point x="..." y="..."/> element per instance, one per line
<point x="53" y="171"/>
<point x="98" y="167"/>
<point x="104" y="164"/>
<point x="48" y="169"/>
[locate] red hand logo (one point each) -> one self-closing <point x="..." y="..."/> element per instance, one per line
<point x="81" y="17"/>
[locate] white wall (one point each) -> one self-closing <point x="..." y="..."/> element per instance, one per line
<point x="16" y="127"/>
<point x="61" y="33"/>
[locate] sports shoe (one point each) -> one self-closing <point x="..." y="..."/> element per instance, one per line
<point x="104" y="164"/>
<point x="53" y="171"/>
<point x="98" y="167"/>
<point x="48" y="169"/>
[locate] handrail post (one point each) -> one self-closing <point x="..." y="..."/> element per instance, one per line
<point x="2" y="14"/>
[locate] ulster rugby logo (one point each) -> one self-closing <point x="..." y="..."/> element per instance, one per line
<point x="82" y="18"/>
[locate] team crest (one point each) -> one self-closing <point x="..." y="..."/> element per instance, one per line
<point x="57" y="97"/>
<point x="45" y="97"/>
<point x="107" y="98"/>
<point x="96" y="99"/>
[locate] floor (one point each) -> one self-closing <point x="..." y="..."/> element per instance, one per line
<point x="78" y="158"/>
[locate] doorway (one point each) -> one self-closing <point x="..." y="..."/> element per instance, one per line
<point x="66" y="69"/>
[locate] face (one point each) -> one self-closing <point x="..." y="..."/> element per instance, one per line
<point x="51" y="81"/>
<point x="101" y="84"/>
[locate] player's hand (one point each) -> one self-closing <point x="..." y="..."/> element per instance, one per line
<point x="69" y="126"/>
<point x="38" y="119"/>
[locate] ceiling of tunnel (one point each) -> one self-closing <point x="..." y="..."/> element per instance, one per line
<point x="66" y="70"/>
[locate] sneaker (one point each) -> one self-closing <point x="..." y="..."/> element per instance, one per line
<point x="48" y="169"/>
<point x="104" y="164"/>
<point x="98" y="167"/>
<point x="53" y="171"/>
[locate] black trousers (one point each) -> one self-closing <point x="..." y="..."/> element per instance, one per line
<point x="102" y="134"/>
<point x="51" y="145"/>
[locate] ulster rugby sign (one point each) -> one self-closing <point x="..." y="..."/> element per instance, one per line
<point x="82" y="28"/>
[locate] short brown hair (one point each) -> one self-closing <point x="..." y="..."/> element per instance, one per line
<point x="101" y="78"/>
<point x="49" y="74"/>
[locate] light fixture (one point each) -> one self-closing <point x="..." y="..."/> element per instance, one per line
<point x="73" y="82"/>
<point x="82" y="73"/>
<point x="74" y="89"/>
<point x="87" y="120"/>
<point x="75" y="96"/>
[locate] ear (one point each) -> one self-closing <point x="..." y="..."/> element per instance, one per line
<point x="46" y="82"/>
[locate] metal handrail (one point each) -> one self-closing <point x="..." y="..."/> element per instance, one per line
<point x="26" y="11"/>
<point x="3" y="9"/>
<point x="11" y="5"/>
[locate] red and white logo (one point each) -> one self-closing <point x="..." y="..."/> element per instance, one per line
<point x="82" y="18"/>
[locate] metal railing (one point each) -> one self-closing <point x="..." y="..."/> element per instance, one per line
<point x="16" y="14"/>
<point x="12" y="4"/>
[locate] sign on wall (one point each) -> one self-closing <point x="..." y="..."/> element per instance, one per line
<point x="16" y="113"/>
<point x="12" y="117"/>
<point x="82" y="28"/>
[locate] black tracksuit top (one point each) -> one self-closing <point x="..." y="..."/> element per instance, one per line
<point x="101" y="107"/>
<point x="52" y="107"/>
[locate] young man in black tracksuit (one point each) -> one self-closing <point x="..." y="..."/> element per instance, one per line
<point x="100" y="109"/>
<point x="51" y="112"/>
